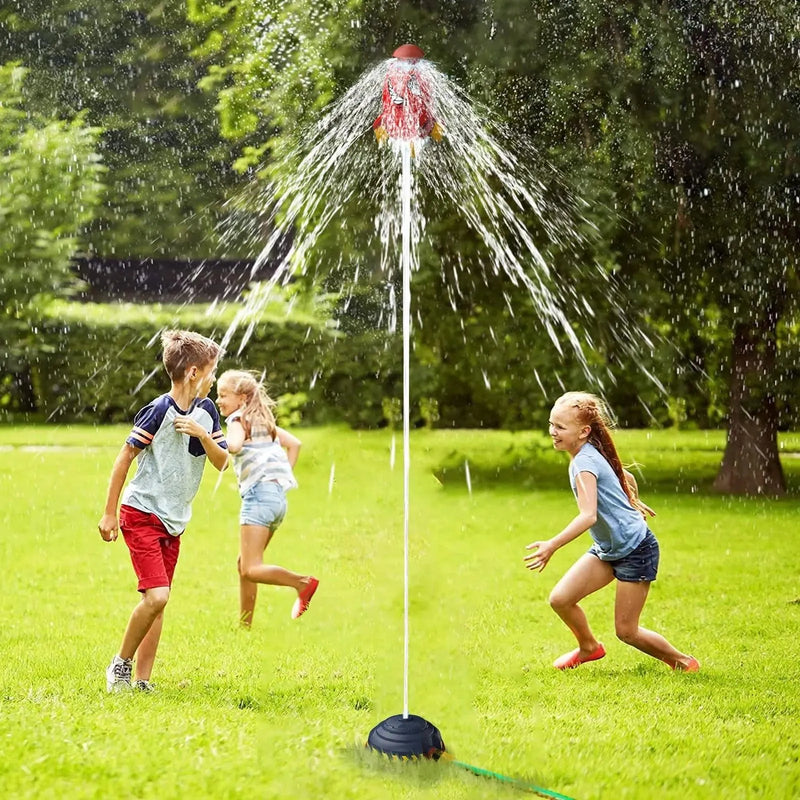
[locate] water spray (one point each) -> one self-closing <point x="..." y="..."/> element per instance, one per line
<point x="407" y="120"/>
<point x="484" y="171"/>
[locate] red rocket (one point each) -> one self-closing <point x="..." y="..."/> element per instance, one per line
<point x="406" y="103"/>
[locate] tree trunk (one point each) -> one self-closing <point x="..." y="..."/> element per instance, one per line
<point x="751" y="463"/>
<point x="25" y="394"/>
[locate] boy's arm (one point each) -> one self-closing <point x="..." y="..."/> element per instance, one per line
<point x="109" y="522"/>
<point x="291" y="444"/>
<point x="217" y="455"/>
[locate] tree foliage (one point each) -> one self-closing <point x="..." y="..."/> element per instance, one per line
<point x="275" y="65"/>
<point x="677" y="122"/>
<point x="51" y="176"/>
<point x="691" y="109"/>
<point x="129" y="67"/>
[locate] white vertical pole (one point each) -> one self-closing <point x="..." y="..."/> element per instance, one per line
<point x="405" y="193"/>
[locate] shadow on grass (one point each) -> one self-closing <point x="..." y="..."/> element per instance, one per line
<point x="302" y="698"/>
<point x="423" y="773"/>
<point x="296" y="699"/>
<point x="420" y="772"/>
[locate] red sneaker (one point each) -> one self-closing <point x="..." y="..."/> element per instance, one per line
<point x="573" y="659"/>
<point x="304" y="598"/>
<point x="692" y="666"/>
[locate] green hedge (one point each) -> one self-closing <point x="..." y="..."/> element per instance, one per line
<point x="102" y="362"/>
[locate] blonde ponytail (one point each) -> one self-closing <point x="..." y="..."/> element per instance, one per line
<point x="258" y="410"/>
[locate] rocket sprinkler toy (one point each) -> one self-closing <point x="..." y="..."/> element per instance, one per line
<point x="406" y="119"/>
<point x="406" y="104"/>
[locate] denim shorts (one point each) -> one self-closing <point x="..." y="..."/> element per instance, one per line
<point x="640" y="565"/>
<point x="263" y="504"/>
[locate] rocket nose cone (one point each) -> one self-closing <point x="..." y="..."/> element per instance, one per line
<point x="408" y="51"/>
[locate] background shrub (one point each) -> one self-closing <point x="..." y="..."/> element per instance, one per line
<point x="101" y="362"/>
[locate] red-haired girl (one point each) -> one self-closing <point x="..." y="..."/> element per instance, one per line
<point x="623" y="547"/>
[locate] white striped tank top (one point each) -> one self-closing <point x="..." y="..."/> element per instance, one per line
<point x="261" y="459"/>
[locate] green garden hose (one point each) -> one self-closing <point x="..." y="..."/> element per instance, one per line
<point x="486" y="773"/>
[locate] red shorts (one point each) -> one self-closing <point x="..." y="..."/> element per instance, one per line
<point x="154" y="551"/>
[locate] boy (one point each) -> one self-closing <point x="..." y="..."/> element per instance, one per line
<point x="171" y="444"/>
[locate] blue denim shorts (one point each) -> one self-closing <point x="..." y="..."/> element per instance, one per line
<point x="640" y="565"/>
<point x="263" y="504"/>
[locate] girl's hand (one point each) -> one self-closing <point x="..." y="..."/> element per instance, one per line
<point x="539" y="559"/>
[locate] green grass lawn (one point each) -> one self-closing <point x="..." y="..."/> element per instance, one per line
<point x="283" y="711"/>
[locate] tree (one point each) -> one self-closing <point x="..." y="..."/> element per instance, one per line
<point x="51" y="176"/>
<point x="730" y="151"/>
<point x="678" y="122"/>
<point x="682" y="116"/>
<point x="278" y="66"/>
<point x="129" y="67"/>
<point x="275" y="66"/>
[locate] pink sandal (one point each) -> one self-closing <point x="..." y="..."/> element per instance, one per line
<point x="304" y="598"/>
<point x="573" y="659"/>
<point x="692" y="666"/>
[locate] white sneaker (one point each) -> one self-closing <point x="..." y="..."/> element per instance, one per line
<point x="143" y="686"/>
<point x="118" y="674"/>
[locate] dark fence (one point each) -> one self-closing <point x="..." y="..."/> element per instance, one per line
<point x="149" y="280"/>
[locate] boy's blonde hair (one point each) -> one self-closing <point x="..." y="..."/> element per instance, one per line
<point x="258" y="410"/>
<point x="185" y="349"/>
<point x="592" y="411"/>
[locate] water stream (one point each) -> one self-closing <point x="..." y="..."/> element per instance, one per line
<point x="337" y="172"/>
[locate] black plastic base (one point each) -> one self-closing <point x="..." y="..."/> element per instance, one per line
<point x="406" y="737"/>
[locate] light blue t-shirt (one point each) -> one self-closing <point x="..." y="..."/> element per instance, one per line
<point x="620" y="528"/>
<point x="170" y="464"/>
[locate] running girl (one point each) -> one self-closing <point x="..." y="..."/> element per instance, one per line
<point x="623" y="546"/>
<point x="263" y="458"/>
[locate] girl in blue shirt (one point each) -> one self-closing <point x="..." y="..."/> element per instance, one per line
<point x="623" y="547"/>
<point x="264" y="456"/>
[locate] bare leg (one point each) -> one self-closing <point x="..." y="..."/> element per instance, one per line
<point x="146" y="653"/>
<point x="584" y="577"/>
<point x="142" y="619"/>
<point x="628" y="607"/>
<point x="254" y="541"/>
<point x="248" y="592"/>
